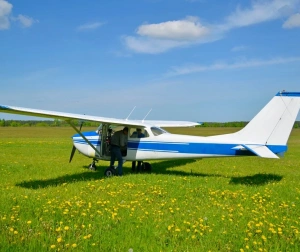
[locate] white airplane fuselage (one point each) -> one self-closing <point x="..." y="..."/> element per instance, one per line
<point x="171" y="146"/>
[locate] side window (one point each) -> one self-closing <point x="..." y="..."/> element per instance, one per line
<point x="132" y="133"/>
<point x="138" y="133"/>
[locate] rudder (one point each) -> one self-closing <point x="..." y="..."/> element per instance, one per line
<point x="274" y="123"/>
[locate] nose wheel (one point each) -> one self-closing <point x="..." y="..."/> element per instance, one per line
<point x="92" y="166"/>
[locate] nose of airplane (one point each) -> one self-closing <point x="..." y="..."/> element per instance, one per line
<point x="82" y="142"/>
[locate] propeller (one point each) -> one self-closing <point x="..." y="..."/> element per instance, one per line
<point x="74" y="148"/>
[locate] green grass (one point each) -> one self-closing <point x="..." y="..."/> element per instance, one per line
<point x="226" y="204"/>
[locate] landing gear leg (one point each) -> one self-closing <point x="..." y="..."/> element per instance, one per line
<point x="92" y="166"/>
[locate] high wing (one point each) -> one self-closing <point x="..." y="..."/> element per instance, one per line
<point x="71" y="116"/>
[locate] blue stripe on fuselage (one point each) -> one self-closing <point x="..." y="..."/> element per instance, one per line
<point x="180" y="147"/>
<point x="87" y="134"/>
<point x="95" y="141"/>
<point x="197" y="148"/>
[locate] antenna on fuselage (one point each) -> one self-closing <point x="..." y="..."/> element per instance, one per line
<point x="147" y="115"/>
<point x="130" y="113"/>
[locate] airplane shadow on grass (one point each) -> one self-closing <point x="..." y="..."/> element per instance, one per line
<point x="98" y="174"/>
<point x="158" y="168"/>
<point x="253" y="180"/>
<point x="256" y="180"/>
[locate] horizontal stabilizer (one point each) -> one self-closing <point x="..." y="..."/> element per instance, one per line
<point x="260" y="150"/>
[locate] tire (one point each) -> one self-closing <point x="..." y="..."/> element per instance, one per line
<point x="109" y="172"/>
<point x="147" y="167"/>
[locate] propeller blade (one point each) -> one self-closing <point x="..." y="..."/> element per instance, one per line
<point x="72" y="153"/>
<point x="74" y="148"/>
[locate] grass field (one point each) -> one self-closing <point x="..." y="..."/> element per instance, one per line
<point x="226" y="204"/>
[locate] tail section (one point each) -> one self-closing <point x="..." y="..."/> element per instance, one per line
<point x="274" y="123"/>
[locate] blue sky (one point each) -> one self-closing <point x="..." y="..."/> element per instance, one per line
<point x="196" y="60"/>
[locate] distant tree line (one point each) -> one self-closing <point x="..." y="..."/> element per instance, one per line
<point x="224" y="124"/>
<point x="61" y="123"/>
<point x="234" y="124"/>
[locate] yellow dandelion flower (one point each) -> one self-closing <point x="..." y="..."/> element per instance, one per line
<point x="29" y="222"/>
<point x="67" y="228"/>
<point x="58" y="229"/>
<point x="177" y="230"/>
<point x="15" y="232"/>
<point x="59" y="239"/>
<point x="74" y="245"/>
<point x="52" y="246"/>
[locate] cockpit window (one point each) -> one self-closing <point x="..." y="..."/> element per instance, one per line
<point x="157" y="131"/>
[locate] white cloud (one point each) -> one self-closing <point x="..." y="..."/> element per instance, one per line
<point x="25" y="20"/>
<point x="152" y="46"/>
<point x="161" y="37"/>
<point x="187" y="29"/>
<point x="89" y="26"/>
<point x="5" y="16"/>
<point x="292" y="22"/>
<point x="227" y="66"/>
<point x="5" y="10"/>
<point x="260" y="11"/>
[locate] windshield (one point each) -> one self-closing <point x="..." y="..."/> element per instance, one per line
<point x="158" y="131"/>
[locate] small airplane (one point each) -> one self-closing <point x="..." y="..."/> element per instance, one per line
<point x="266" y="135"/>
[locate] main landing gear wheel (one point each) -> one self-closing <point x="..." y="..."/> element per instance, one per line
<point x="146" y="167"/>
<point x="109" y="172"/>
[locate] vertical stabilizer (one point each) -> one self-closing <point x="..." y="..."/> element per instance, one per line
<point x="274" y="123"/>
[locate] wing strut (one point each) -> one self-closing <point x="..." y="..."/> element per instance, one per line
<point x="85" y="139"/>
